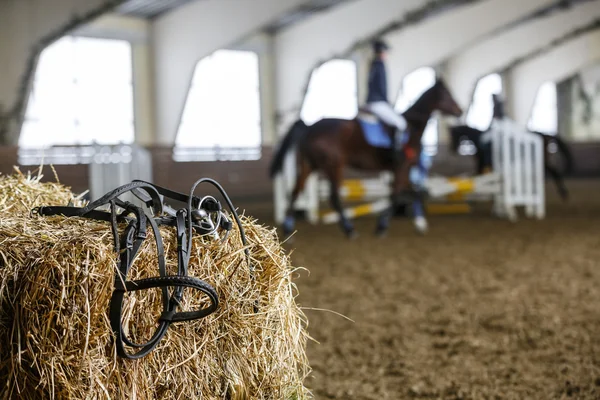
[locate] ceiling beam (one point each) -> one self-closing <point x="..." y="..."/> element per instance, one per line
<point x="559" y="63"/>
<point x="506" y="49"/>
<point x="434" y="40"/>
<point x="337" y="33"/>
<point x="191" y="32"/>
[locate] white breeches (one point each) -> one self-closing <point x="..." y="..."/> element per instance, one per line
<point x="384" y="111"/>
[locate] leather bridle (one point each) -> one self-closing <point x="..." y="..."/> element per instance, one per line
<point x="202" y="216"/>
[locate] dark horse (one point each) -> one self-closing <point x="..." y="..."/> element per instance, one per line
<point x="331" y="144"/>
<point x="483" y="154"/>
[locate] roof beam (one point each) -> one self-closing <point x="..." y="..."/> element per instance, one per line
<point x="301" y="48"/>
<point x="561" y="62"/>
<point x="500" y="51"/>
<point x="436" y="39"/>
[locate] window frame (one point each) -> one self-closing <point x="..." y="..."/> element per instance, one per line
<point x="193" y="153"/>
<point x="309" y="89"/>
<point x="73" y="119"/>
<point x="531" y="124"/>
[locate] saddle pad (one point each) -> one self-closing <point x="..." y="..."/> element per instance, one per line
<point x="375" y="134"/>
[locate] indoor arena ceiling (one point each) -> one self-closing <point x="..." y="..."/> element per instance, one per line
<point x="153" y="8"/>
<point x="557" y="6"/>
<point x="149" y="8"/>
<point x="304" y="11"/>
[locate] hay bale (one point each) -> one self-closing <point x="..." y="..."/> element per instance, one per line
<point x="56" y="279"/>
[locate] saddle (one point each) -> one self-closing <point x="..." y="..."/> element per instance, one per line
<point x="203" y="216"/>
<point x="379" y="134"/>
<point x="365" y="114"/>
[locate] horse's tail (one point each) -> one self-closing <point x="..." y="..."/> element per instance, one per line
<point x="296" y="132"/>
<point x="566" y="151"/>
<point x="562" y="147"/>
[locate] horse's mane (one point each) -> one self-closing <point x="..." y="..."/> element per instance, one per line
<point x="419" y="111"/>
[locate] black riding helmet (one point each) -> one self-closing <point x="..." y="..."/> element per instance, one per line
<point x="379" y="46"/>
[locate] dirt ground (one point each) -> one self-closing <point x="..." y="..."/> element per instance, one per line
<point x="478" y="309"/>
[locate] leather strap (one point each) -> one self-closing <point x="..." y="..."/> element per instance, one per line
<point x="185" y="221"/>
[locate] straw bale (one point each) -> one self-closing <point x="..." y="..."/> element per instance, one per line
<point x="56" y="279"/>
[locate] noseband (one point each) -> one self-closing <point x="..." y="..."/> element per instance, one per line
<point x="203" y="216"/>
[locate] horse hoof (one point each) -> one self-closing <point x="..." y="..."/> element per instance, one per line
<point x="353" y="235"/>
<point x="381" y="232"/>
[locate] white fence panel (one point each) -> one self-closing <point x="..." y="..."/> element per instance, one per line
<point x="518" y="156"/>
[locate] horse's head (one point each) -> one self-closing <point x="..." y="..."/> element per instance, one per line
<point x="436" y="98"/>
<point x="445" y="103"/>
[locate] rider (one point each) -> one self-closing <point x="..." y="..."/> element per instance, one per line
<point x="377" y="99"/>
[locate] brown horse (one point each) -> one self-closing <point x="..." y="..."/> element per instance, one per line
<point x="483" y="153"/>
<point x="329" y="145"/>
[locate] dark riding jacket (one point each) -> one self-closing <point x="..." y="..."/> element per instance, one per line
<point x="377" y="82"/>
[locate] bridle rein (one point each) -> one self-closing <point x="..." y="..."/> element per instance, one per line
<point x="202" y="215"/>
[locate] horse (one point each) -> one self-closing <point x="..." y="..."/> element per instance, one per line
<point x="331" y="144"/>
<point x="483" y="154"/>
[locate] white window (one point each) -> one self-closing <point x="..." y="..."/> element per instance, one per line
<point x="332" y="92"/>
<point x="544" y="116"/>
<point x="413" y="86"/>
<point x="481" y="109"/>
<point x="82" y="93"/>
<point x="222" y="115"/>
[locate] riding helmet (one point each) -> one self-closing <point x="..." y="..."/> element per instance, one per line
<point x="379" y="46"/>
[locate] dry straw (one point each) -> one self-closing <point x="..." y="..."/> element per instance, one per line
<point x="56" y="279"/>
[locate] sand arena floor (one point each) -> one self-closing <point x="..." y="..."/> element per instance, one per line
<point x="478" y="309"/>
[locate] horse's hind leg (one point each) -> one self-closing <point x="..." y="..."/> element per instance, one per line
<point x="301" y="177"/>
<point x="560" y="183"/>
<point x="335" y="180"/>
